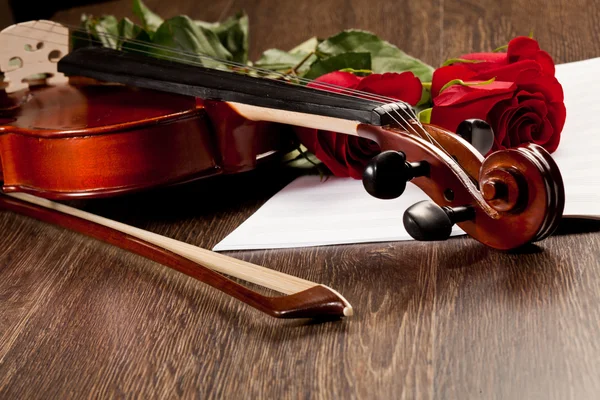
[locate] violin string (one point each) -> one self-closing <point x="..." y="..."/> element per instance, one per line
<point x="424" y="134"/>
<point x="345" y="91"/>
<point x="362" y="94"/>
<point x="384" y="99"/>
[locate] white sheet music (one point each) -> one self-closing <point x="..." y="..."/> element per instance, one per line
<point x="311" y="212"/>
<point x="578" y="154"/>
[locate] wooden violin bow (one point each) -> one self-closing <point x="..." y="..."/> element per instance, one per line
<point x="304" y="299"/>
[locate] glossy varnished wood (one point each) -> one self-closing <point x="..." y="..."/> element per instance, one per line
<point x="530" y="209"/>
<point x="66" y="127"/>
<point x="79" y="318"/>
<point x="105" y="140"/>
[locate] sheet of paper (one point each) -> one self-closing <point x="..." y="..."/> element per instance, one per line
<point x="311" y="212"/>
<point x="578" y="154"/>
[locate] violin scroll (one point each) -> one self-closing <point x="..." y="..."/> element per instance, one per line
<point x="506" y="200"/>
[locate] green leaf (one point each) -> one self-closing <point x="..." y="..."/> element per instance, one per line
<point x="451" y="61"/>
<point x="425" y="116"/>
<point x="463" y="83"/>
<point x="78" y="37"/>
<point x="307" y="46"/>
<point x="134" y="38"/>
<point x="385" y="57"/>
<point x="128" y="29"/>
<point x="233" y="34"/>
<point x="360" y="61"/>
<point x="181" y="34"/>
<point x="425" y="100"/>
<point x="283" y="61"/>
<point x="358" y="72"/>
<point x="300" y="58"/>
<point x="107" y="28"/>
<point x="150" y="20"/>
<point x="300" y="158"/>
<point x="100" y="31"/>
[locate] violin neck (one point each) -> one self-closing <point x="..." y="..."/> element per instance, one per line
<point x="254" y="97"/>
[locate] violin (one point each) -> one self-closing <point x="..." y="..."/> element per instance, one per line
<point x="107" y="122"/>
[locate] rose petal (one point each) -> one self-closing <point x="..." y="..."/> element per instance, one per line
<point x="494" y="58"/>
<point x="340" y="142"/>
<point x="499" y="117"/>
<point x="457" y="94"/>
<point x="507" y="72"/>
<point x="359" y="152"/>
<point x="450" y="109"/>
<point x="443" y="75"/>
<point x="535" y="105"/>
<point x="544" y="133"/>
<point x="552" y="144"/>
<point x="336" y="81"/>
<point x="528" y="127"/>
<point x="522" y="47"/>
<point x="557" y="115"/>
<point x="307" y="136"/>
<point x="326" y="152"/>
<point x="404" y="86"/>
<point x="535" y="82"/>
<point x="546" y="61"/>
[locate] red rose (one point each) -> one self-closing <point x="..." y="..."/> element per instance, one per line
<point x="451" y="106"/>
<point x="532" y="111"/>
<point x="519" y="49"/>
<point x="347" y="155"/>
<point x="521" y="53"/>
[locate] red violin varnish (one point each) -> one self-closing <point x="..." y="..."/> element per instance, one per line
<point x="92" y="140"/>
<point x="109" y="122"/>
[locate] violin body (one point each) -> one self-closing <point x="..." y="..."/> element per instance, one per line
<point x="93" y="140"/>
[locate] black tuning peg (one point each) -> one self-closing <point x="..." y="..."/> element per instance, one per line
<point x="477" y="132"/>
<point x="386" y="174"/>
<point x="428" y="221"/>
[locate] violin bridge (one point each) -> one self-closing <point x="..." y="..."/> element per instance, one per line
<point x="31" y="50"/>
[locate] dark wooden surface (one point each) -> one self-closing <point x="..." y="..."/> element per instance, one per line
<point x="79" y="318"/>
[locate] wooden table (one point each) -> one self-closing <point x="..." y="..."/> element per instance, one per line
<point x="79" y="318"/>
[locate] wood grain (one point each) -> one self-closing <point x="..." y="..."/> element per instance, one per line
<point x="79" y="318"/>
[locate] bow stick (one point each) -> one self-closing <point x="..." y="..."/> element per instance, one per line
<point x="303" y="299"/>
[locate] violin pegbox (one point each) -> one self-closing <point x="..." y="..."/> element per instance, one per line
<point x="32" y="48"/>
<point x="506" y="200"/>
